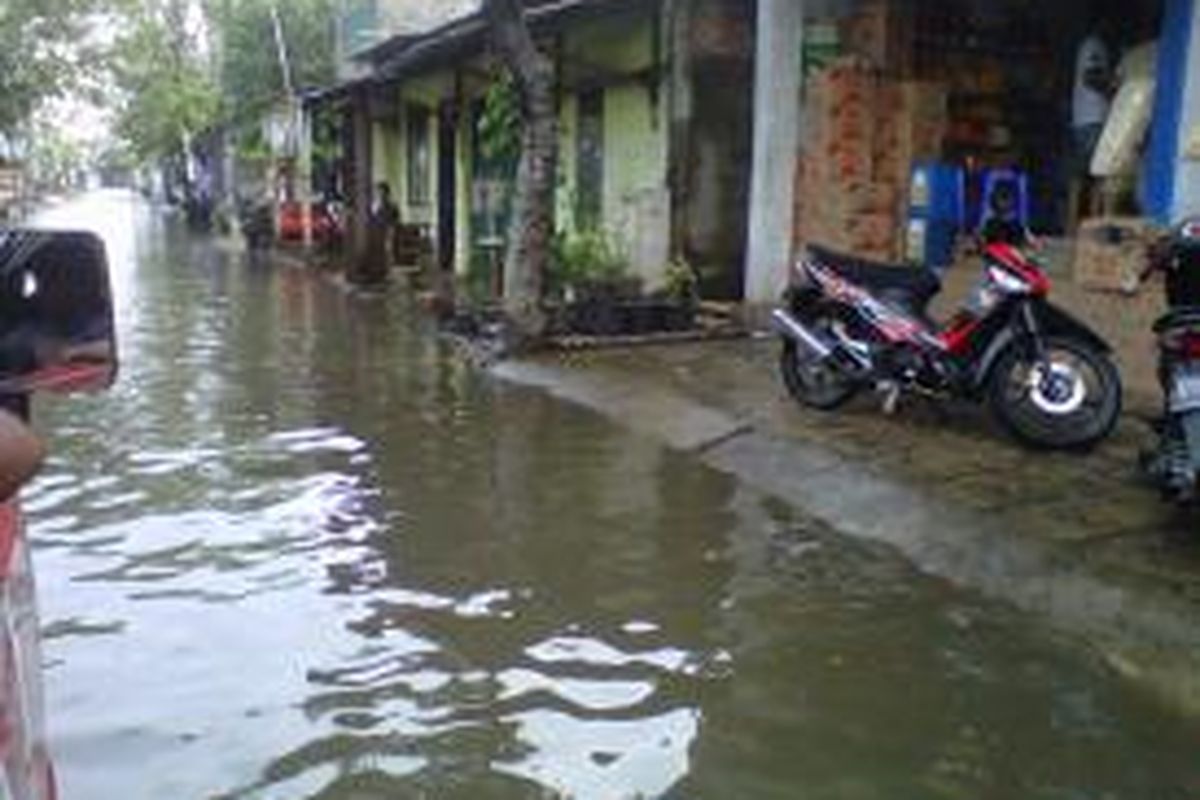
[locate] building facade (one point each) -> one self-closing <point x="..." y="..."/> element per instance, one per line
<point x="1001" y="77"/>
<point x="654" y="120"/>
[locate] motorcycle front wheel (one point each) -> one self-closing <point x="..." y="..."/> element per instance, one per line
<point x="1068" y="400"/>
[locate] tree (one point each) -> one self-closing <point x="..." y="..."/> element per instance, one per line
<point x="41" y="50"/>
<point x="532" y="228"/>
<point x="251" y="77"/>
<point x="169" y="96"/>
<point x="180" y="80"/>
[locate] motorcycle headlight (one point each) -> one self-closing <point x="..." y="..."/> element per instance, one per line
<point x="1006" y="281"/>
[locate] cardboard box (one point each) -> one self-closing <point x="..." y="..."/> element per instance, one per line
<point x="862" y="134"/>
<point x="877" y="32"/>
<point x="1111" y="251"/>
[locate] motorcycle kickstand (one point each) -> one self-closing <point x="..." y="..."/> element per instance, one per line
<point x="891" y="398"/>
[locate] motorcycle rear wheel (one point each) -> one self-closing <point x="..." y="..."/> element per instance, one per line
<point x="1074" y="408"/>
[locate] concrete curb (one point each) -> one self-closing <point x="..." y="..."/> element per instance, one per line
<point x="1145" y="631"/>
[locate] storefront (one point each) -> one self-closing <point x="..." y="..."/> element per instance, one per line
<point x="911" y="111"/>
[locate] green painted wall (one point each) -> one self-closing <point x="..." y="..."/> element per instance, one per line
<point x="429" y="92"/>
<point x="636" y="204"/>
<point x="636" y="200"/>
<point x="386" y="155"/>
<point x="567" y="131"/>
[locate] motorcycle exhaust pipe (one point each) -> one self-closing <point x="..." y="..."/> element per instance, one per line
<point x="787" y="325"/>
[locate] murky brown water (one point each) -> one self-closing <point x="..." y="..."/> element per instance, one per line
<point x="303" y="552"/>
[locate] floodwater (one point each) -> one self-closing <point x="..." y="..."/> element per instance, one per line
<point x="302" y="551"/>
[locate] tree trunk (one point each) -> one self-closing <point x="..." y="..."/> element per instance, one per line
<point x="532" y="227"/>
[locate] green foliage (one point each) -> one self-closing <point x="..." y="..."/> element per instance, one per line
<point x="55" y="158"/>
<point x="177" y="85"/>
<point x="252" y="147"/>
<point x="326" y="138"/>
<point x="682" y="283"/>
<point x="250" y="74"/>
<point x="500" y="122"/>
<point x="168" y="94"/>
<point x="42" y="52"/>
<point x="477" y="283"/>
<point x="588" y="263"/>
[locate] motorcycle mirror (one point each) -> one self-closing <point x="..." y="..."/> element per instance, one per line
<point x="57" y="332"/>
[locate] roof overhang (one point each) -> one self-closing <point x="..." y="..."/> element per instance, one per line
<point x="467" y="36"/>
<point x="406" y="55"/>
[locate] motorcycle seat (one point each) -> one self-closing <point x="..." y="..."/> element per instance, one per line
<point x="1182" y="317"/>
<point x="911" y="287"/>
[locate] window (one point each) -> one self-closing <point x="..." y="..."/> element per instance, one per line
<point x="589" y="165"/>
<point x="417" y="140"/>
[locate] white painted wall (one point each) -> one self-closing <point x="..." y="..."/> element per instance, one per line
<point x="776" y="145"/>
<point x="1187" y="177"/>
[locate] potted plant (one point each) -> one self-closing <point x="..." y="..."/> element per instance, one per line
<point x="683" y="291"/>
<point x="592" y="279"/>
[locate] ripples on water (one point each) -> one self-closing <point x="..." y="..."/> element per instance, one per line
<point x="303" y="552"/>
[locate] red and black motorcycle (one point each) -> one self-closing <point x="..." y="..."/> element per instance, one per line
<point x="850" y="325"/>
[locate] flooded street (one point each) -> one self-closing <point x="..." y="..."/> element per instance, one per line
<point x="302" y="551"/>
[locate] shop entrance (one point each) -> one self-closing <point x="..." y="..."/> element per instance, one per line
<point x="1020" y="95"/>
<point x="913" y="107"/>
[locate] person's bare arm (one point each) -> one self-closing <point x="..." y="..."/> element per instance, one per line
<point x="21" y="455"/>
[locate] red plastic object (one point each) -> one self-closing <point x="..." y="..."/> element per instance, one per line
<point x="291" y="222"/>
<point x="25" y="767"/>
<point x="957" y="336"/>
<point x="1013" y="259"/>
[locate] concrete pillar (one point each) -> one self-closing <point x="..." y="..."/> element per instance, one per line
<point x="1187" y="176"/>
<point x="777" y="65"/>
<point x="677" y="47"/>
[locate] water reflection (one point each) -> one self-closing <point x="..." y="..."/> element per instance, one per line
<point x="302" y="551"/>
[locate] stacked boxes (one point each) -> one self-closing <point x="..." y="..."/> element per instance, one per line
<point x="1111" y="251"/>
<point x="863" y="133"/>
<point x="912" y="119"/>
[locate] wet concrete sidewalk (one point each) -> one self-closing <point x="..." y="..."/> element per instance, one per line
<point x="1076" y="539"/>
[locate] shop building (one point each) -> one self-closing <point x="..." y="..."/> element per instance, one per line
<point x="881" y="133"/>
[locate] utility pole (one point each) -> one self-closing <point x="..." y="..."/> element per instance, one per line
<point x="291" y="132"/>
<point x="285" y="64"/>
<point x="285" y="69"/>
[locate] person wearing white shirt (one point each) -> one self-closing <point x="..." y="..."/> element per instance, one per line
<point x="1090" y="105"/>
<point x="1093" y="89"/>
